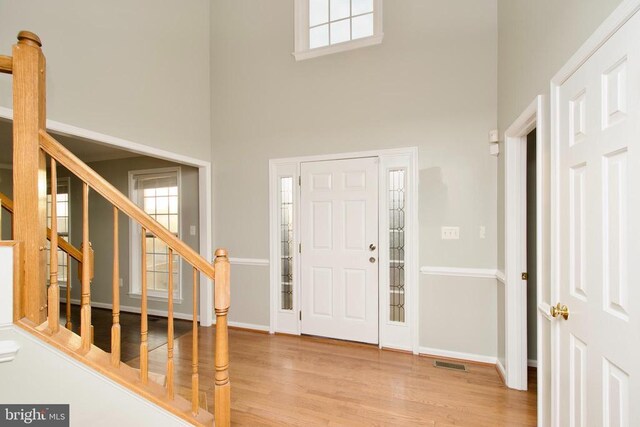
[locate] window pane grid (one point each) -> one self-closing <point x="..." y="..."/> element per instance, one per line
<point x="337" y="21"/>
<point x="286" y="242"/>
<point x="158" y="195"/>
<point x="396" y="245"/>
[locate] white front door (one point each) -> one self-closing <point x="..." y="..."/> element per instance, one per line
<point x="598" y="231"/>
<point x="339" y="255"/>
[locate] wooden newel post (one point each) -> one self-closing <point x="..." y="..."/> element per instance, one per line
<point x="29" y="170"/>
<point x="222" y="295"/>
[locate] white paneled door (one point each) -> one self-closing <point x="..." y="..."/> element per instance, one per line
<point x="598" y="231"/>
<point x="339" y="254"/>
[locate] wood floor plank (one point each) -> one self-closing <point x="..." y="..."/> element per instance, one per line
<point x="305" y="381"/>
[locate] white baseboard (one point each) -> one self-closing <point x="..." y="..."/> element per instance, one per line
<point x="427" y="351"/>
<point x="251" y="326"/>
<point x="136" y="310"/>
<point x="502" y="371"/>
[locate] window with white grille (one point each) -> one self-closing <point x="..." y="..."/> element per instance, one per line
<point x="158" y="193"/>
<point x="328" y="26"/>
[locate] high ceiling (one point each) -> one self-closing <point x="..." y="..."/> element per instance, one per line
<point x="86" y="150"/>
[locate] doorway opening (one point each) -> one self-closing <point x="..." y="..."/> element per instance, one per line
<point x="387" y="245"/>
<point x="532" y="258"/>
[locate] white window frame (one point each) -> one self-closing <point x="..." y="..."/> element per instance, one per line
<point x="67" y="181"/>
<point x="135" y="248"/>
<point x="394" y="335"/>
<point x="302" y="51"/>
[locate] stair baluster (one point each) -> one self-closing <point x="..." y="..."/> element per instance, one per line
<point x="195" y="382"/>
<point x="53" y="293"/>
<point x="170" y="330"/>
<point x="115" y="327"/>
<point x="144" y="346"/>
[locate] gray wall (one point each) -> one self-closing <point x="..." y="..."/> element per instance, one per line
<point x="138" y="70"/>
<point x="535" y="39"/>
<point x="101" y="231"/>
<point x="432" y="84"/>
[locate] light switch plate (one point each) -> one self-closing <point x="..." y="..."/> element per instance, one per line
<point x="450" y="233"/>
<point x="192" y="230"/>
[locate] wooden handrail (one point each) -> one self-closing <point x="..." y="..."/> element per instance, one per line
<point x="6" y="64"/>
<point x="122" y="202"/>
<point x="63" y="245"/>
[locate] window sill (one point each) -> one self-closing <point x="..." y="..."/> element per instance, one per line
<point x="341" y="47"/>
<point x="176" y="300"/>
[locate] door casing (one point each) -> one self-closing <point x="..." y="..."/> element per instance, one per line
<point x="391" y="334"/>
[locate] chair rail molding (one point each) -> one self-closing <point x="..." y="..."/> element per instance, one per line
<point x="482" y="273"/>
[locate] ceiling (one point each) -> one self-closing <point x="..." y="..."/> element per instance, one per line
<point x="86" y="150"/>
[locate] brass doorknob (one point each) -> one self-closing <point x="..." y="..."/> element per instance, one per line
<point x="560" y="310"/>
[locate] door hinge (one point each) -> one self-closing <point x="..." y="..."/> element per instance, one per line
<point x="300" y="314"/>
<point x="525" y="276"/>
<point x="300" y="180"/>
<point x="299" y="248"/>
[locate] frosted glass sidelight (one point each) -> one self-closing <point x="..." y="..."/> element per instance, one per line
<point x="286" y="241"/>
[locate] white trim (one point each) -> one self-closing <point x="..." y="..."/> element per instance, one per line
<point x="135" y="310"/>
<point x="204" y="190"/>
<point x="436" y="352"/>
<point x="8" y="350"/>
<point x="405" y="335"/>
<point x="500" y="276"/>
<point x="623" y="13"/>
<point x="516" y="236"/>
<point x="501" y="369"/>
<point x="112" y="141"/>
<point x="532" y="363"/>
<point x="250" y="326"/>
<point x="301" y="33"/>
<point x="340" y="47"/>
<point x="249" y="261"/>
<point x="482" y="273"/>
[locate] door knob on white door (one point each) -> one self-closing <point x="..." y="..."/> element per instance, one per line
<point x="560" y="310"/>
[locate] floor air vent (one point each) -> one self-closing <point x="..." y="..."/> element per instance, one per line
<point x="450" y="365"/>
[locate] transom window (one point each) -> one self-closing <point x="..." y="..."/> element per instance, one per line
<point x="158" y="193"/>
<point x="327" y="26"/>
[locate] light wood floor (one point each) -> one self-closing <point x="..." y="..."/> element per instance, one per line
<point x="305" y="381"/>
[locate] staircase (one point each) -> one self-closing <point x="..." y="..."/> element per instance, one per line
<point x="36" y="158"/>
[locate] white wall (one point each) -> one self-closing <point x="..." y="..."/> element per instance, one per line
<point x="42" y="375"/>
<point x="138" y="70"/>
<point x="432" y="84"/>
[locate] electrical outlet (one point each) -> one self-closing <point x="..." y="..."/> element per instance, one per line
<point x="483" y="232"/>
<point x="121" y="282"/>
<point x="450" y="233"/>
<point x="192" y="230"/>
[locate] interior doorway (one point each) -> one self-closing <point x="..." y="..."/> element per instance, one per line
<point x="532" y="255"/>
